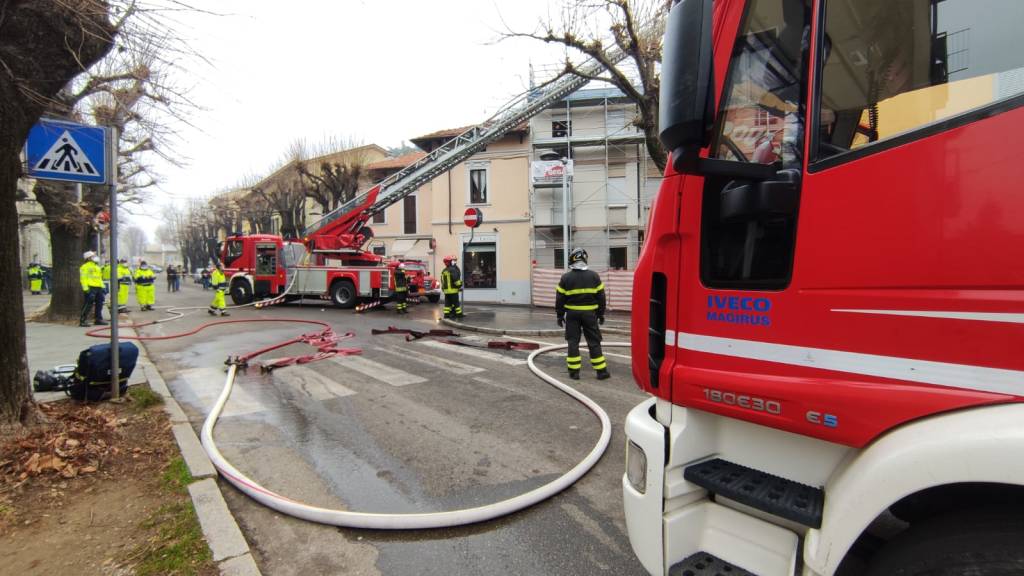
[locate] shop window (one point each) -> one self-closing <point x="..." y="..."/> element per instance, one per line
<point x="480" y="265"/>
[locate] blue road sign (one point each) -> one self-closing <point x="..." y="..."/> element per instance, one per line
<point x="59" y="150"/>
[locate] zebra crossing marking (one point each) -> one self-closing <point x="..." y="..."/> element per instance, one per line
<point x="312" y="383"/>
<point x="475" y="352"/>
<point x="377" y="371"/>
<point x="452" y="366"/>
<point x="207" y="383"/>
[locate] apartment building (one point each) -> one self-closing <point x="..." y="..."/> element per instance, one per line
<point x="612" y="184"/>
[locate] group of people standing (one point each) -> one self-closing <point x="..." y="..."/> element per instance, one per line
<point x="95" y="281"/>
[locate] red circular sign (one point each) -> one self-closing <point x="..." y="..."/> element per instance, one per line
<point x="473" y="217"/>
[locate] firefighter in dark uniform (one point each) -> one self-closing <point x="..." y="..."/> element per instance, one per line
<point x="451" y="283"/>
<point x="401" y="290"/>
<point x="580" y="304"/>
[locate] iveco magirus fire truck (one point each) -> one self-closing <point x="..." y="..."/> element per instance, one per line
<point x="829" y="308"/>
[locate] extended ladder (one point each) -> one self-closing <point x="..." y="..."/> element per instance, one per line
<point x="459" y="149"/>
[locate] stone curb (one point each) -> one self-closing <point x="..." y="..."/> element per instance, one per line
<point x="224" y="537"/>
<point x="503" y="332"/>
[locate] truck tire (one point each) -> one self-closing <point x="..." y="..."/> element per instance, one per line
<point x="343" y="294"/>
<point x="241" y="292"/>
<point x="434" y="298"/>
<point x="983" y="542"/>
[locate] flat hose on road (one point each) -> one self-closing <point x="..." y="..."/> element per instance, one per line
<point x="411" y="521"/>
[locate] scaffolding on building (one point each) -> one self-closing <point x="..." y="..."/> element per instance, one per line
<point x="614" y="181"/>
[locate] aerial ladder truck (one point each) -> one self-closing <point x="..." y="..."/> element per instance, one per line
<point x="330" y="261"/>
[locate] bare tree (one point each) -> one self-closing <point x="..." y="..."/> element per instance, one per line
<point x="135" y="241"/>
<point x="598" y="29"/>
<point x="335" y="175"/>
<point x="287" y="199"/>
<point x="43" y="45"/>
<point x="129" y="90"/>
<point x="254" y="209"/>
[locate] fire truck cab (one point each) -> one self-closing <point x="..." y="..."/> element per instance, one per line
<point x="828" y="311"/>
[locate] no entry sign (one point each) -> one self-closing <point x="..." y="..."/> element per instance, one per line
<point x="473" y="217"/>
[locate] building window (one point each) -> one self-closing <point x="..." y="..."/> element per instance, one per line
<point x="409" y="205"/>
<point x="559" y="257"/>
<point x="480" y="265"/>
<point x="561" y="128"/>
<point x="478" y="185"/>
<point x="617" y="215"/>
<point x="380" y="250"/>
<point x="617" y="258"/>
<point x="380" y="217"/>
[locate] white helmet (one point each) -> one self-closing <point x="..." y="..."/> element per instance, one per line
<point x="88" y="255"/>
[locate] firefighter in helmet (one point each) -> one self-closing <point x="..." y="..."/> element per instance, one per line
<point x="401" y="290"/>
<point x="220" y="284"/>
<point x="579" y="305"/>
<point x="451" y="283"/>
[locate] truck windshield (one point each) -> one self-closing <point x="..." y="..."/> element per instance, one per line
<point x="898" y="65"/>
<point x="761" y="119"/>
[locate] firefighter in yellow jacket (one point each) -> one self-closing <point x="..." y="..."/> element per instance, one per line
<point x="220" y="285"/>
<point x="35" y="278"/>
<point x="579" y="306"/>
<point x="91" y="277"/>
<point x="145" y="290"/>
<point x="124" y="283"/>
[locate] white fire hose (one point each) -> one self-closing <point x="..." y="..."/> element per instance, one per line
<point x="411" y="521"/>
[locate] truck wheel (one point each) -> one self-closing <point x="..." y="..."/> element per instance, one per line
<point x="241" y="292"/>
<point x="343" y="294"/>
<point x="980" y="543"/>
<point x="434" y="298"/>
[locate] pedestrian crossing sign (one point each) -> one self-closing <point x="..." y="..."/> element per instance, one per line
<point x="59" y="150"/>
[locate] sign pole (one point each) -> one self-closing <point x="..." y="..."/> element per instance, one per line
<point x="115" y="350"/>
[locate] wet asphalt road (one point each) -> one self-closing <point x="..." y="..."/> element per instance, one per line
<point x="405" y="427"/>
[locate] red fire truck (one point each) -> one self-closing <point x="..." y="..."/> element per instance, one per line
<point x="829" y="308"/>
<point x="328" y="263"/>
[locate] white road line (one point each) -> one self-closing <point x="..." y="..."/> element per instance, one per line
<point x="377" y="371"/>
<point x="312" y="383"/>
<point x="434" y="360"/>
<point x="482" y="380"/>
<point x="474" y="352"/>
<point x="207" y="383"/>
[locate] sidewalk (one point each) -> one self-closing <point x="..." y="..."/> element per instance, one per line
<point x="50" y="345"/>
<point x="512" y="320"/>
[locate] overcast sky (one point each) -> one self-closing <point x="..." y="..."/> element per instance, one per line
<point x="381" y="72"/>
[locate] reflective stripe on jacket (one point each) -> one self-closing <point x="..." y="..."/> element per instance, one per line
<point x="218" y="280"/>
<point x="451" y="280"/>
<point x="144" y="277"/>
<point x="580" y="290"/>
<point x="123" y="274"/>
<point x="90" y="276"/>
<point x="401" y="282"/>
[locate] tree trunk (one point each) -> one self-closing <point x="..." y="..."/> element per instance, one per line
<point x="43" y="45"/>
<point x="16" y="405"/>
<point x="67" y="298"/>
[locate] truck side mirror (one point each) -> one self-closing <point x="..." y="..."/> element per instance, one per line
<point x="687" y="99"/>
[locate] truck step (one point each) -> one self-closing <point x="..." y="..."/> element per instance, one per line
<point x="704" y="564"/>
<point x="779" y="496"/>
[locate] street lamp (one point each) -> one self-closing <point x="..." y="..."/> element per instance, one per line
<point x="565" y="203"/>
